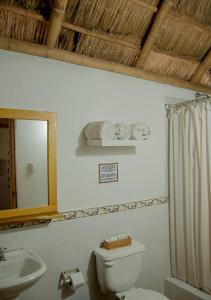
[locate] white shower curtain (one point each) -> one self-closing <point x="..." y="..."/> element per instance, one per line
<point x="190" y="193"/>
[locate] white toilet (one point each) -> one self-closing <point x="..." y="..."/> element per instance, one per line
<point x="118" y="271"/>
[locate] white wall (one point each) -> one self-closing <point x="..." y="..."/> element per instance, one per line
<point x="31" y="143"/>
<point x="80" y="95"/>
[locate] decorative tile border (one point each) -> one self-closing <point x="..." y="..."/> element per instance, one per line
<point x="89" y="212"/>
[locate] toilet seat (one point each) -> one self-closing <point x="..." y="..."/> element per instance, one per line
<point x="141" y="294"/>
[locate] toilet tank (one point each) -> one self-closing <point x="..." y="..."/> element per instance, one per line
<point x="119" y="269"/>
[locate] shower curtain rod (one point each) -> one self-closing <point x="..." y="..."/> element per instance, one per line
<point x="196" y="100"/>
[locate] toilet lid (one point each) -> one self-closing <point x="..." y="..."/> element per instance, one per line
<point x="142" y="294"/>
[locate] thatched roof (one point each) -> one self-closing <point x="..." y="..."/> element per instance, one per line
<point x="169" y="40"/>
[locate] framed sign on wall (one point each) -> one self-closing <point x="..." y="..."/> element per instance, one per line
<point x="108" y="173"/>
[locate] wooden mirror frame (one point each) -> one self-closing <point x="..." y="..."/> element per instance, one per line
<point x="34" y="213"/>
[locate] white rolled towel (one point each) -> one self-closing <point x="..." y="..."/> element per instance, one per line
<point x="140" y="131"/>
<point x="103" y="130"/>
<point x="89" y="130"/>
<point x="123" y="131"/>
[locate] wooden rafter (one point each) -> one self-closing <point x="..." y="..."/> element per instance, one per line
<point x="101" y="36"/>
<point x="21" y="11"/>
<point x="70" y="57"/>
<point x="149" y="43"/>
<point x="186" y="20"/>
<point x="202" y="69"/>
<point x="57" y="14"/>
<point x="66" y="25"/>
<point x="108" y="37"/>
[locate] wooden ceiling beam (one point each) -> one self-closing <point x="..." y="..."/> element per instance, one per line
<point x="179" y="17"/>
<point x="145" y="5"/>
<point x="66" y="25"/>
<point x="107" y="37"/>
<point x="21" y="11"/>
<point x="202" y="68"/>
<point x="55" y="25"/>
<point x="155" y="29"/>
<point x="99" y="35"/>
<point x="74" y="58"/>
<point x="102" y="36"/>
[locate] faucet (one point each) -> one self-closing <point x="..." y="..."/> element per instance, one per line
<point x="2" y="254"/>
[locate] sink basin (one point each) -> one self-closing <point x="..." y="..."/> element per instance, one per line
<point x="22" y="269"/>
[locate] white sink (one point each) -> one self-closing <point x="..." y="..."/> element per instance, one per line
<point x="21" y="270"/>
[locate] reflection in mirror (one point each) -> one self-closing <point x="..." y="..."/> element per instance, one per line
<point x="23" y="163"/>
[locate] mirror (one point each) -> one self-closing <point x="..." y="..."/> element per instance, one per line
<point x="27" y="164"/>
<point x="23" y="163"/>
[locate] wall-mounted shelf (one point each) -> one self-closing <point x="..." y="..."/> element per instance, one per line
<point x="113" y="143"/>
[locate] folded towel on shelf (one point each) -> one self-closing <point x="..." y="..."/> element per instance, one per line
<point x="123" y="131"/>
<point x="89" y="130"/>
<point x="102" y="130"/>
<point x="140" y="131"/>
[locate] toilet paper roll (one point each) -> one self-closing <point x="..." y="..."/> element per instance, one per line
<point x="76" y="280"/>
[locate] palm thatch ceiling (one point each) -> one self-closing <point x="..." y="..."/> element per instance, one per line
<point x="167" y="41"/>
